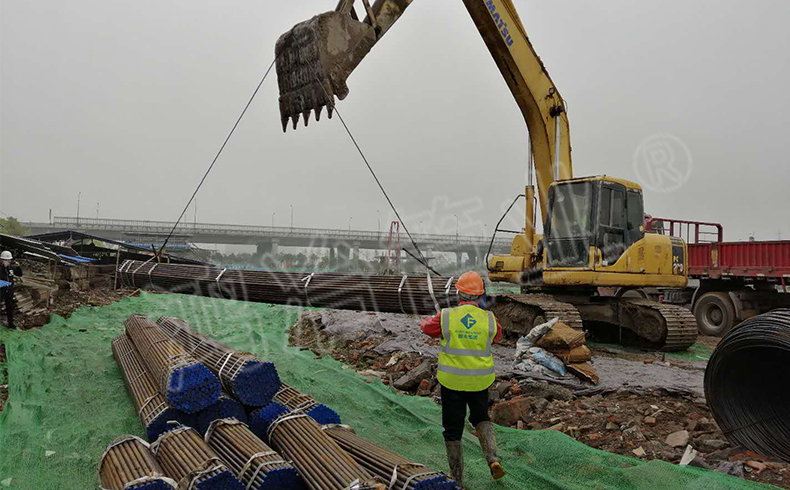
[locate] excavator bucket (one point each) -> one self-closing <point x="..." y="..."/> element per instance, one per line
<point x="314" y="60"/>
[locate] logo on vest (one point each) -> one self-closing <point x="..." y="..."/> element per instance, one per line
<point x="468" y="321"/>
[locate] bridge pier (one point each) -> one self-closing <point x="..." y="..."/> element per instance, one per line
<point x="266" y="252"/>
<point x="343" y="255"/>
<point x="332" y="258"/>
<point x="459" y="259"/>
<point x="356" y="250"/>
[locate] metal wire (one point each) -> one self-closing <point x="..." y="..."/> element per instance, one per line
<point x="745" y="384"/>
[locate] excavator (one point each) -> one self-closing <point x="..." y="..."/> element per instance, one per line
<point x="593" y="227"/>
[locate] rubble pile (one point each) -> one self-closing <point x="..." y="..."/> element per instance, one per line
<point x="657" y="422"/>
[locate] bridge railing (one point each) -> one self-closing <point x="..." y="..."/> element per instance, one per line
<point x="264" y="231"/>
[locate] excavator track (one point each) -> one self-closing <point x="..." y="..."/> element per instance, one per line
<point x="681" y="324"/>
<point x="518" y="313"/>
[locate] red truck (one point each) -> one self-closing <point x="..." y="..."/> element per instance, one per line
<point x="728" y="281"/>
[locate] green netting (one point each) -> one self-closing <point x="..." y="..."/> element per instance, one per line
<point x="67" y="401"/>
<point x="696" y="352"/>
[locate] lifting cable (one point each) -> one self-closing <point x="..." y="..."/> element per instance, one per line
<point x="421" y="259"/>
<point x="216" y="158"/>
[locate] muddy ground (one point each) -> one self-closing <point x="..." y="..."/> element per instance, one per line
<point x="647" y="405"/>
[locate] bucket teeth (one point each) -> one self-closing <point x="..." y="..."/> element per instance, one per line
<point x="312" y="69"/>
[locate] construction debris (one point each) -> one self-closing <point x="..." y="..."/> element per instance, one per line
<point x="552" y="349"/>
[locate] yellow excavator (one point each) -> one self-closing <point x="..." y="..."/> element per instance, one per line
<point x="594" y="233"/>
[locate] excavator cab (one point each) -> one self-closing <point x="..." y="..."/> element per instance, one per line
<point x="594" y="236"/>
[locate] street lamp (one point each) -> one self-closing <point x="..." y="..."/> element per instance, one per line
<point x="79" y="196"/>
<point x="349" y="222"/>
<point x="97" y="211"/>
<point x="419" y="227"/>
<point x="379" y="214"/>
<point x="456" y="227"/>
<point x="272" y="219"/>
<point x="292" y="218"/>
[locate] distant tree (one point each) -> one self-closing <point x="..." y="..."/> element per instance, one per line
<point x="13" y="227"/>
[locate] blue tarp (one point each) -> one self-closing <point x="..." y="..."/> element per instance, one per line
<point x="4" y="284"/>
<point x="83" y="260"/>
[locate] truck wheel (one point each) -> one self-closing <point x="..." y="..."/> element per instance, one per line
<point x="715" y="314"/>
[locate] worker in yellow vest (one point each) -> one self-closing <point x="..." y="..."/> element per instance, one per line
<point x="466" y="371"/>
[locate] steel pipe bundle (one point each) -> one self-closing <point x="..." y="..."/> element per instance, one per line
<point x="251" y="380"/>
<point x="295" y="400"/>
<point x="185" y="383"/>
<point x="186" y="457"/>
<point x="320" y="461"/>
<point x="257" y="465"/>
<point x="744" y="384"/>
<point x="225" y="408"/>
<point x="404" y="474"/>
<point x="127" y="464"/>
<point x="395" y="294"/>
<point x="155" y="413"/>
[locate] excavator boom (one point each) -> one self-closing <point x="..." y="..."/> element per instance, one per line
<point x="316" y="57"/>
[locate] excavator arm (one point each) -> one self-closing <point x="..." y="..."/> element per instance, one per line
<point x="316" y="57"/>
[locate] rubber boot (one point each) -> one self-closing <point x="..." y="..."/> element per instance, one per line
<point x="485" y="433"/>
<point x="455" y="456"/>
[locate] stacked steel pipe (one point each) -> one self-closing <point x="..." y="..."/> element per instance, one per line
<point x="225" y="408"/>
<point x="747" y="400"/>
<point x="152" y="408"/>
<point x="127" y="464"/>
<point x="295" y="400"/>
<point x="397" y="294"/>
<point x="186" y="458"/>
<point x="320" y="461"/>
<point x="250" y="379"/>
<point x="399" y="471"/>
<point x="186" y="384"/>
<point x="257" y="465"/>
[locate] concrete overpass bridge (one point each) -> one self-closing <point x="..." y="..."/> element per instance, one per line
<point x="268" y="239"/>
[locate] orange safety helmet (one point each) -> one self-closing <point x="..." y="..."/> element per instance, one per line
<point x="470" y="283"/>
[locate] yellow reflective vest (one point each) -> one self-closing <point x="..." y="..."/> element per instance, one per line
<point x="465" y="359"/>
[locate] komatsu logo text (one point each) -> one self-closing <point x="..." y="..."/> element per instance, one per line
<point x="501" y="24"/>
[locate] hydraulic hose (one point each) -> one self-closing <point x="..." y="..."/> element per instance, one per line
<point x="746" y="384"/>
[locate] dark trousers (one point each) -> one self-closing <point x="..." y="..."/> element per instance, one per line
<point x="454" y="405"/>
<point x="7" y="296"/>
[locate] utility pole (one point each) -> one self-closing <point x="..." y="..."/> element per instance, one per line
<point x="456" y="228"/>
<point x="79" y="196"/>
<point x="97" y="211"/>
<point x="379" y="215"/>
<point x="292" y="218"/>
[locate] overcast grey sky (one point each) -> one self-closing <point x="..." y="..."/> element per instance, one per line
<point x="127" y="102"/>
